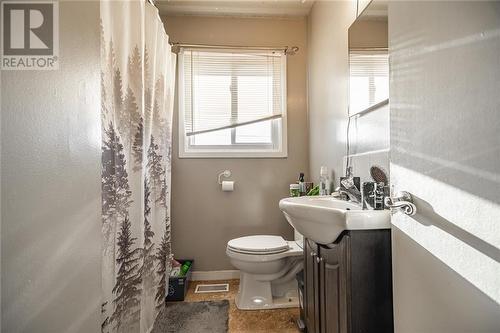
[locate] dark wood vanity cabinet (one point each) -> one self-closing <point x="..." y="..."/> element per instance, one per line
<point x="311" y="282"/>
<point x="348" y="284"/>
<point x="333" y="280"/>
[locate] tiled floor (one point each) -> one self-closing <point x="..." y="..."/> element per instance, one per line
<point x="272" y="321"/>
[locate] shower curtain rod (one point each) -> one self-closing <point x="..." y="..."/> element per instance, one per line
<point x="289" y="50"/>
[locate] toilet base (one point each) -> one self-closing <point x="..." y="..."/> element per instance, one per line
<point x="258" y="295"/>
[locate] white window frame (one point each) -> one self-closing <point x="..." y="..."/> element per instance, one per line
<point x="235" y="150"/>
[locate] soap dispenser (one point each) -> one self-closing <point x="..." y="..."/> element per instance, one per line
<point x="324" y="182"/>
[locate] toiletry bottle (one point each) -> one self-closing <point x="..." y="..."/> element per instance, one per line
<point x="324" y="182"/>
<point x="302" y="187"/>
<point x="294" y="190"/>
<point x="185" y="268"/>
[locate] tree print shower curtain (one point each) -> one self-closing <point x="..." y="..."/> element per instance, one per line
<point x="137" y="85"/>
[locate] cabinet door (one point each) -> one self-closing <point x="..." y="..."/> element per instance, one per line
<point x="333" y="287"/>
<point x="311" y="305"/>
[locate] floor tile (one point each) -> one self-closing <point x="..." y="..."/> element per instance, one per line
<point x="255" y="321"/>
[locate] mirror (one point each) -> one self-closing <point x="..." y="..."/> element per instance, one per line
<point x="369" y="59"/>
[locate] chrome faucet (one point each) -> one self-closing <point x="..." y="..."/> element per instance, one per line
<point x="351" y="194"/>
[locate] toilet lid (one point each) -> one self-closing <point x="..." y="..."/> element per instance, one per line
<point x="259" y="244"/>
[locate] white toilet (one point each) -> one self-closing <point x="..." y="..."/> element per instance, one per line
<point x="268" y="265"/>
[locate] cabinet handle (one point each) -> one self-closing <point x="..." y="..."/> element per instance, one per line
<point x="319" y="259"/>
<point x="313" y="254"/>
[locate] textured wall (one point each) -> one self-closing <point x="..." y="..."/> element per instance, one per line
<point x="50" y="180"/>
<point x="445" y="149"/>
<point x="203" y="217"/>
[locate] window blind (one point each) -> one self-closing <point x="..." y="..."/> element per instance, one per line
<point x="227" y="88"/>
<point x="369" y="78"/>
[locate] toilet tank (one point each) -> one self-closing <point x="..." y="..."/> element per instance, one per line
<point x="298" y="238"/>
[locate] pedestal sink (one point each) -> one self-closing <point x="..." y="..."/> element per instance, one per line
<point x="323" y="218"/>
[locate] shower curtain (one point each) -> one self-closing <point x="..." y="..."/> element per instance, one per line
<point x="137" y="85"/>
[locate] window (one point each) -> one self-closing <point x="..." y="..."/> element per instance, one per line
<point x="369" y="79"/>
<point x="232" y="103"/>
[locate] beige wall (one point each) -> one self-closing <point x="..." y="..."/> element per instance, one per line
<point x="328" y="83"/>
<point x="368" y="33"/>
<point x="50" y="183"/>
<point x="445" y="150"/>
<point x="204" y="218"/>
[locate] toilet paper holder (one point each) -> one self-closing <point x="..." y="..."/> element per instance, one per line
<point x="227" y="186"/>
<point x="225" y="174"/>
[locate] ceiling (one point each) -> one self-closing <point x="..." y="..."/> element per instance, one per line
<point x="271" y="8"/>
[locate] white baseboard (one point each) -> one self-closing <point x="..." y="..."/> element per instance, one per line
<point x="215" y="275"/>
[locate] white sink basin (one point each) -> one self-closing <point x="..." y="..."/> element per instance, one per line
<point x="323" y="218"/>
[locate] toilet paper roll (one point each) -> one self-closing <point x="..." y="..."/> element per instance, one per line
<point x="227" y="186"/>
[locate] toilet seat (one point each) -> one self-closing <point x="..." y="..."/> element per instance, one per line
<point x="292" y="250"/>
<point x="259" y="244"/>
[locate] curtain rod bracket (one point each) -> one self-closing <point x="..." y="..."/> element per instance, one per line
<point x="291" y="50"/>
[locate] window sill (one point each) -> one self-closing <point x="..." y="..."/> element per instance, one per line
<point x="233" y="154"/>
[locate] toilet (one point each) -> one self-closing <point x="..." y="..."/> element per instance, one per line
<point x="268" y="265"/>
